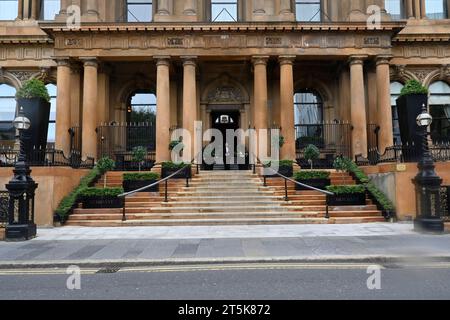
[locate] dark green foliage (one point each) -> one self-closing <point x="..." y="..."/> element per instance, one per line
<point x="175" y="143"/>
<point x="66" y="205"/>
<point x="33" y="88"/>
<point x="350" y="189"/>
<point x="413" y="87"/>
<point x="140" y="176"/>
<point x="101" y="192"/>
<point x="172" y="165"/>
<point x="105" y="164"/>
<point x="139" y="154"/>
<point x="281" y="163"/>
<point x="311" y="152"/>
<point x="341" y="164"/>
<point x="306" y="175"/>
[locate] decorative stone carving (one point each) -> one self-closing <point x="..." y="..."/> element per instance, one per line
<point x="421" y="74"/>
<point x="226" y="94"/>
<point x="23" y="76"/>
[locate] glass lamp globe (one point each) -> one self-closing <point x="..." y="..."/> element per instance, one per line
<point x="22" y="123"/>
<point x="424" y="120"/>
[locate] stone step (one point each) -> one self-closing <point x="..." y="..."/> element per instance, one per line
<point x="205" y="209"/>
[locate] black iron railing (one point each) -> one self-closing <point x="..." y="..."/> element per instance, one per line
<point x="4" y="204"/>
<point x="332" y="139"/>
<point x="403" y="153"/>
<point x="46" y="158"/>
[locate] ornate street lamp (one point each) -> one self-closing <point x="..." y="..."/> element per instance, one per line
<point x="427" y="183"/>
<point x="21" y="188"/>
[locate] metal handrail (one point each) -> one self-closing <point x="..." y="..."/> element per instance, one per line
<point x="286" y="179"/>
<point x="165" y="180"/>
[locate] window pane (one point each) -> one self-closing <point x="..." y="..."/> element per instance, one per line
<point x="139" y="10"/>
<point x="394" y="8"/>
<point x="8" y="9"/>
<point x="308" y="108"/>
<point x="436" y="9"/>
<point x="7" y="103"/>
<point x="308" y="10"/>
<point x="396" y="88"/>
<point x="224" y="10"/>
<point x="50" y="9"/>
<point x="52" y="90"/>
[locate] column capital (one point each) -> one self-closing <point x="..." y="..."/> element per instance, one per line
<point x="90" y="62"/>
<point x="63" y="62"/>
<point x="383" y="59"/>
<point x="189" y="60"/>
<point x="162" y="60"/>
<point x="260" y="60"/>
<point x="357" y="59"/>
<point x="286" y="60"/>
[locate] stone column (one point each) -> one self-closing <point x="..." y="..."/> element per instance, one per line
<point x="409" y="9"/>
<point x="358" y="106"/>
<point x="163" y="7"/>
<point x="34" y="10"/>
<point x="20" y="10"/>
<point x="258" y="7"/>
<point x="386" y="138"/>
<point x="189" y="104"/>
<point x="423" y="13"/>
<point x="92" y="8"/>
<point x="417" y="9"/>
<point x="162" y="109"/>
<point x="260" y="116"/>
<point x="64" y="5"/>
<point x="287" y="121"/>
<point x="62" y="141"/>
<point x="90" y="84"/>
<point x="190" y="7"/>
<point x="285" y="7"/>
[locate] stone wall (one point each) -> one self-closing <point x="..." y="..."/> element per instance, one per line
<point x="54" y="184"/>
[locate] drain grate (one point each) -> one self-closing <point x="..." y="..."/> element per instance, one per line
<point x="109" y="270"/>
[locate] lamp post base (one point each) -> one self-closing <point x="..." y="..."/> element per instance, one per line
<point x="20" y="232"/>
<point x="431" y="225"/>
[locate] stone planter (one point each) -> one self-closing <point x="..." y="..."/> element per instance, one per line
<point x="185" y="173"/>
<point x="316" y="183"/>
<point x="102" y="202"/>
<point x="349" y="199"/>
<point x="132" y="185"/>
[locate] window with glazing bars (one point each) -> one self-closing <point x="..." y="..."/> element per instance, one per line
<point x="308" y="10"/>
<point x="139" y="10"/>
<point x="224" y="10"/>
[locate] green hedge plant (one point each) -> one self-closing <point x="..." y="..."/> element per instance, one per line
<point x="308" y="175"/>
<point x="347" y="189"/>
<point x="173" y="165"/>
<point x="413" y="87"/>
<point x="101" y="192"/>
<point x="33" y="88"/>
<point x="104" y="165"/>
<point x="140" y="176"/>
<point x="280" y="163"/>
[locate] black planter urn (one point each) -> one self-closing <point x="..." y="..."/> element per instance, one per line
<point x="38" y="111"/>
<point x="347" y="199"/>
<point x="132" y="185"/>
<point x="316" y="183"/>
<point x="409" y="107"/>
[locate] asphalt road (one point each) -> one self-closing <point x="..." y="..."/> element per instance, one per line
<point x="246" y="282"/>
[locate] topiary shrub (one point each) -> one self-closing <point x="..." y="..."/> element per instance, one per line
<point x="413" y="87"/>
<point x="33" y="88"/>
<point x="104" y="165"/>
<point x="311" y="153"/>
<point x="139" y="154"/>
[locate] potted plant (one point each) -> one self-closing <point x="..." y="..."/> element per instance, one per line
<point x="139" y="154"/>
<point x="169" y="168"/>
<point x="285" y="168"/>
<point x="311" y="153"/>
<point x="350" y="195"/>
<point x="409" y="105"/>
<point x="135" y="181"/>
<point x="34" y="103"/>
<point x="341" y="165"/>
<point x="104" y="165"/>
<point x="317" y="179"/>
<point x="97" y="198"/>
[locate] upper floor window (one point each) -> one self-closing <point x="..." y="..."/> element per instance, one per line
<point x="51" y="135"/>
<point x="9" y="9"/>
<point x="436" y="9"/>
<point x="49" y="9"/>
<point x="139" y="10"/>
<point x="308" y="10"/>
<point x="395" y="8"/>
<point x="224" y="10"/>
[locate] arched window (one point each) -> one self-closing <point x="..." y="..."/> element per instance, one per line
<point x="7" y="114"/>
<point x="395" y="8"/>
<point x="49" y="9"/>
<point x="440" y="111"/>
<point x="139" y="10"/>
<point x="52" y="91"/>
<point x="436" y="9"/>
<point x="396" y="88"/>
<point x="224" y="10"/>
<point x="9" y="9"/>
<point x="308" y="10"/>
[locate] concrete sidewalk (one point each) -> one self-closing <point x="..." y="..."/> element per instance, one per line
<point x="381" y="242"/>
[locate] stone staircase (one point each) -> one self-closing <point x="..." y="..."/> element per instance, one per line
<point x="225" y="198"/>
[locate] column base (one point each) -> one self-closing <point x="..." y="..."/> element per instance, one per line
<point x="429" y="225"/>
<point x="20" y="232"/>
